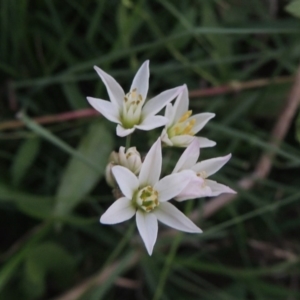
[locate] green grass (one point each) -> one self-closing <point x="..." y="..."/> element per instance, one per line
<point x="52" y="190"/>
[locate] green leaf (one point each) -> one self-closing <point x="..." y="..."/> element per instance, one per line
<point x="10" y="267"/>
<point x="72" y="93"/>
<point x="46" y="134"/>
<point x="294" y="8"/>
<point x="78" y="179"/>
<point x="46" y="259"/>
<point x="24" y="158"/>
<point x="219" y="46"/>
<point x="32" y="205"/>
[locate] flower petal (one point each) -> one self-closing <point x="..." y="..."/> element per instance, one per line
<point x="218" y="188"/>
<point x="154" y="105"/>
<point x="127" y="181"/>
<point x="152" y="122"/>
<point x="120" y="211"/>
<point x="121" y="131"/>
<point x="169" y="114"/>
<point x="114" y="90"/>
<point x="211" y="166"/>
<point x="181" y="104"/>
<point x="171" y="216"/>
<point x="151" y="167"/>
<point x="205" y="143"/>
<point x="194" y="189"/>
<point x="201" y="120"/>
<point x="106" y="108"/>
<point x="182" y="140"/>
<point x="141" y="80"/>
<point x="147" y="226"/>
<point x="171" y="185"/>
<point x="189" y="157"/>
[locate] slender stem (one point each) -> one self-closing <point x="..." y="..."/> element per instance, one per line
<point x="128" y="139"/>
<point x="167" y="267"/>
<point x="120" y="247"/>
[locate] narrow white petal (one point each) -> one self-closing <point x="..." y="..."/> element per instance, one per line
<point x="171" y="185"/>
<point x="154" y="105"/>
<point x="171" y="216"/>
<point x="201" y="120"/>
<point x="121" y="131"/>
<point x="169" y="114"/>
<point x="120" y="211"/>
<point x="189" y="157"/>
<point x="195" y="189"/>
<point x="211" y="166"/>
<point x="181" y="105"/>
<point x="152" y="122"/>
<point x="126" y="180"/>
<point x="141" y="80"/>
<point x="182" y="140"/>
<point x="151" y="167"/>
<point x="114" y="90"/>
<point x="106" y="108"/>
<point x="218" y="188"/>
<point x="147" y="226"/>
<point x="205" y="143"/>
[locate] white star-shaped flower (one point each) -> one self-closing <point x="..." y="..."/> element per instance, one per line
<point x="129" y="110"/>
<point x="182" y="125"/>
<point x="146" y="197"/>
<point x="199" y="185"/>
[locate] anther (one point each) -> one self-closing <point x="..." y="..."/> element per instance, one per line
<point x="185" y="116"/>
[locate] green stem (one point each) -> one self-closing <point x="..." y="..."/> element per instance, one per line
<point x="120" y="247"/>
<point x="167" y="267"/>
<point x="128" y="139"/>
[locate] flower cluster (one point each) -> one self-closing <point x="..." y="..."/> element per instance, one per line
<point x="143" y="192"/>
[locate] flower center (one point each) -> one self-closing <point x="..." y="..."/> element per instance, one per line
<point x="147" y="199"/>
<point x="132" y="107"/>
<point x="183" y="126"/>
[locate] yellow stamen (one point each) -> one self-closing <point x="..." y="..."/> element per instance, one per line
<point x="185" y="116"/>
<point x="202" y="174"/>
<point x="177" y="130"/>
<point x="184" y="126"/>
<point x="133" y="93"/>
<point x="189" y="126"/>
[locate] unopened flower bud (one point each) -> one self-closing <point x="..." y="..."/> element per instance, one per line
<point x="109" y="175"/>
<point x="130" y="159"/>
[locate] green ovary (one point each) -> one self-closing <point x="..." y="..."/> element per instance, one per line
<point x="147" y="199"/>
<point x="132" y="107"/>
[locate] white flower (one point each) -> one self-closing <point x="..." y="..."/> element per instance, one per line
<point x="146" y="197"/>
<point x="130" y="111"/>
<point x="182" y="126"/>
<point x="199" y="185"/>
<point x="130" y="159"/>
